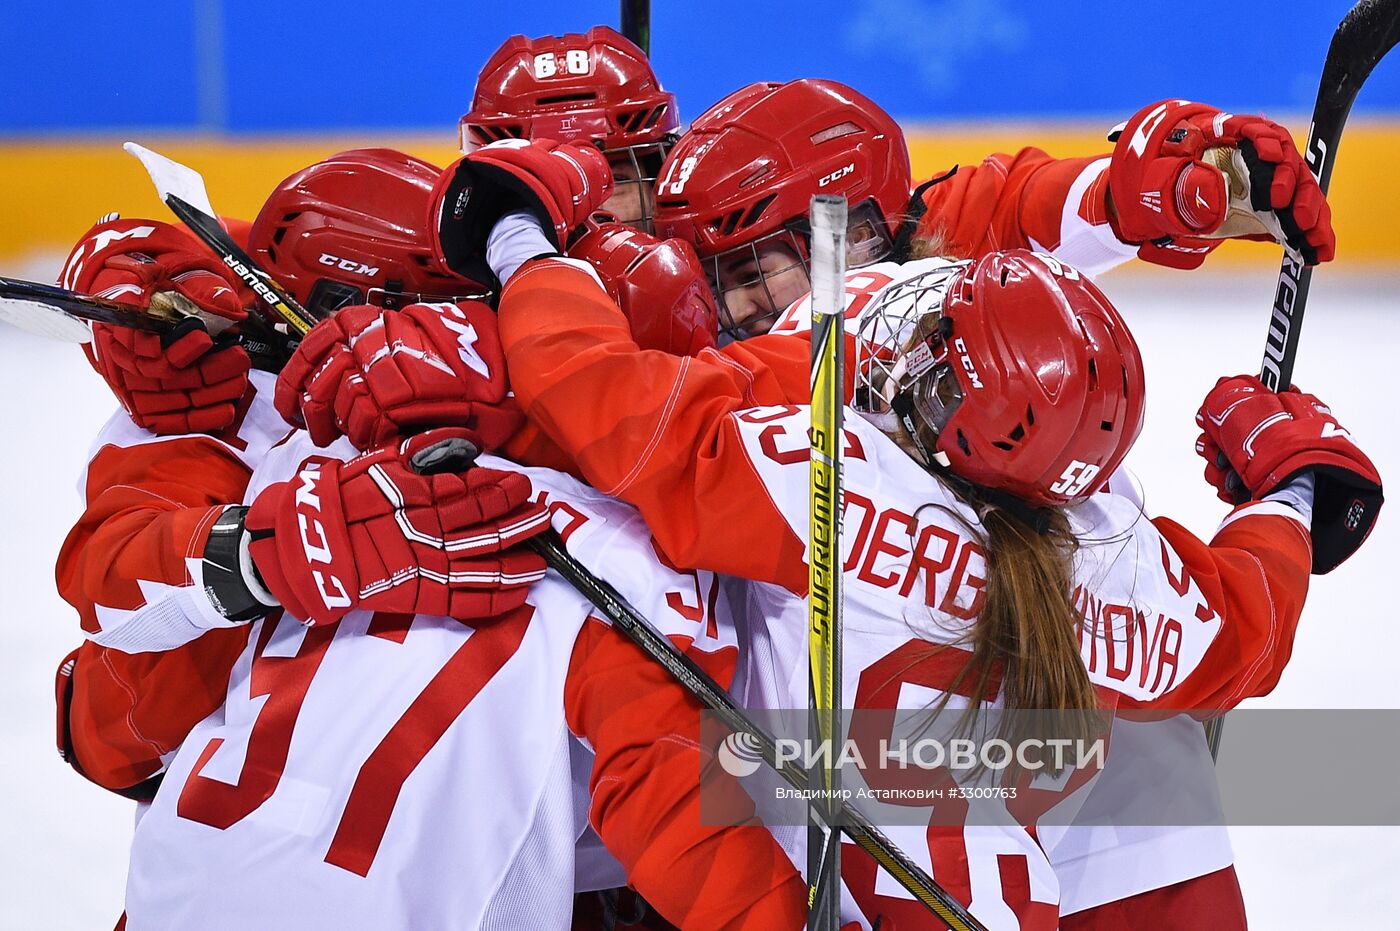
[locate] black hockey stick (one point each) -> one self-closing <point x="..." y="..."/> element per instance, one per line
<point x="459" y="455"/>
<point x="58" y="313"/>
<point x="182" y="189"/>
<point x="1368" y="31"/>
<point x="698" y="683"/>
<point x="47" y="299"/>
<point x="284" y="308"/>
<point x="636" y="23"/>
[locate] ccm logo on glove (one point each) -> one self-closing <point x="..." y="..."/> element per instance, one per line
<point x="313" y="539"/>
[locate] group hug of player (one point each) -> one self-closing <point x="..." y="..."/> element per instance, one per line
<point x="344" y="691"/>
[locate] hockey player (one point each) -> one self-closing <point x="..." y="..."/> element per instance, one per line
<point x="142" y="491"/>
<point x="738" y="184"/>
<point x="299" y="703"/>
<point x="814" y="137"/>
<point x="596" y="88"/>
<point x="566" y="349"/>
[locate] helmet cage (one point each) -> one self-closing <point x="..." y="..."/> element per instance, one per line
<point x="395" y="298"/>
<point x="904" y="372"/>
<point x="868" y="242"/>
<point x="644" y="159"/>
<point x="744" y="256"/>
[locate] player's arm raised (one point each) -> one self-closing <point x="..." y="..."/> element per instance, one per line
<point x="1025" y="200"/>
<point x="1303" y="482"/>
<point x="1182" y="178"/>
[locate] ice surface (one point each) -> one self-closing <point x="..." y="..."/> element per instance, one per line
<point x="62" y="863"/>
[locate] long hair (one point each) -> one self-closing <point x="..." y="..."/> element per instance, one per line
<point x="1027" y="629"/>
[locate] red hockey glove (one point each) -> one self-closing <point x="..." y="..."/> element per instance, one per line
<point x="1255" y="440"/>
<point x="660" y="286"/>
<point x="559" y="183"/>
<point x="1185" y="175"/>
<point x="374" y="375"/>
<point x="185" y="381"/>
<point x="376" y="534"/>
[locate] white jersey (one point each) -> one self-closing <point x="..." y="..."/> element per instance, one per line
<point x="912" y="577"/>
<point x="1092" y="863"/>
<point x="399" y="772"/>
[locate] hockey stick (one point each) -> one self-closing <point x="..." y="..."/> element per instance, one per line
<point x="1364" y="36"/>
<point x="828" y="247"/>
<point x="1366" y="33"/>
<point x="698" y="683"/>
<point x="57" y="313"/>
<point x="458" y="455"/>
<point x="183" y="191"/>
<point x="636" y="23"/>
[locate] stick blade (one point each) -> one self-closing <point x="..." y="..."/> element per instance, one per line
<point x="171" y="177"/>
<point x="1364" y="36"/>
<point x="44" y="320"/>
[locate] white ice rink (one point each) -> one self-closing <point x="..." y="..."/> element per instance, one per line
<point x="62" y="859"/>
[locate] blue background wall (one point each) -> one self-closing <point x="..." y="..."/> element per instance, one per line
<point x="250" y="66"/>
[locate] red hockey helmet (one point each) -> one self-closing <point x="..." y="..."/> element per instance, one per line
<point x="595" y="87"/>
<point x="1017" y="374"/>
<point x="352" y="229"/>
<point x="747" y="169"/>
<point x="660" y="286"/>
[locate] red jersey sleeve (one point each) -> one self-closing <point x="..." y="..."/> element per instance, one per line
<point x="123" y="711"/>
<point x="1254" y="576"/>
<point x="150" y="507"/>
<point x="670" y="450"/>
<point x="1026" y="201"/>
<point x="126" y="567"/>
<point x="764" y="370"/>
<point x="648" y="776"/>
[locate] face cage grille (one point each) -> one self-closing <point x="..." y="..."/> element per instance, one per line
<point x="644" y="161"/>
<point x="873" y="246"/>
<point x="903" y="370"/>
<point x="756" y="324"/>
<point x="329" y="296"/>
<point x="394" y="299"/>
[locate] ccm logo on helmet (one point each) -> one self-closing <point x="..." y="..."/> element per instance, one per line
<point x="348" y="265"/>
<point x="837" y="175"/>
<point x="313" y="538"/>
<point x="967" y="365"/>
